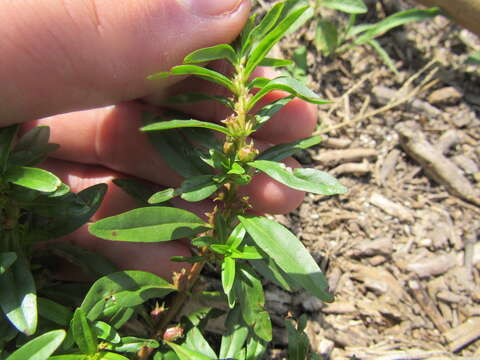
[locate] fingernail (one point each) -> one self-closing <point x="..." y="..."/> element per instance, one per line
<point x="211" y="7"/>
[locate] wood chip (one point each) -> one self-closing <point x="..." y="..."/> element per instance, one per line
<point x="357" y="169"/>
<point x="434" y="163"/>
<point x="340" y="307"/>
<point x="377" y="279"/>
<point x="388" y="165"/>
<point x="391" y="208"/>
<point x="427" y="305"/>
<point x="464" y="334"/>
<point x="433" y="266"/>
<point x="447" y="140"/>
<point x="382" y="246"/>
<point x="335" y="157"/>
<point x="447" y="94"/>
<point x="336" y="143"/>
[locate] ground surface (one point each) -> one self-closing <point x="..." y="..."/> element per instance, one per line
<point x="401" y="248"/>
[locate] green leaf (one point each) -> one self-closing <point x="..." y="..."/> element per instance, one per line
<point x="150" y="224"/>
<point x="39" y="348"/>
<point x="474" y="58"/>
<point x="236" y="236"/>
<point x="289" y="85"/>
<point x="163" y="196"/>
<point x="185" y="353"/>
<point x="397" y="19"/>
<point x="266" y="112"/>
<point x="289" y="254"/>
<point x="270" y="270"/>
<point x="387" y="60"/>
<point x="178" y="153"/>
<point x="217" y="52"/>
<point x="53" y="311"/>
<point x="32" y="148"/>
<point x="263" y="326"/>
<point x="195" y="97"/>
<point x="269" y="40"/>
<point x="123" y="289"/>
<point x="92" y="263"/>
<point x="283" y="151"/>
<point x="347" y="6"/>
<point x="92" y="198"/>
<point x="197" y="188"/>
<point x="32" y="178"/>
<point x="83" y="333"/>
<point x="265" y="25"/>
<point x="228" y="277"/>
<point x="251" y="298"/>
<point x="139" y="190"/>
<point x="235" y="336"/>
<point x="275" y="62"/>
<point x="131" y="344"/>
<point x="7" y="136"/>
<point x="19" y="300"/>
<point x="326" y="37"/>
<point x="310" y="180"/>
<point x="255" y="348"/>
<point x="247" y="252"/>
<point x="175" y="124"/>
<point x="298" y="343"/>
<point x="6" y="260"/>
<point x="194" y="340"/>
<point x="111" y="356"/>
<point x="202" y="72"/>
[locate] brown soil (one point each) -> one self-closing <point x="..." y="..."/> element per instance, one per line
<point x="401" y="249"/>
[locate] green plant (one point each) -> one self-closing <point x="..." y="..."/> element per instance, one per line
<point x="331" y="39"/>
<point x="243" y="247"/>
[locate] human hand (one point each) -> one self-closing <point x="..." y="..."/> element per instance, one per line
<point x="77" y="58"/>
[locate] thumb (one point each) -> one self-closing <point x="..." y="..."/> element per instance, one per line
<point x="66" y="55"/>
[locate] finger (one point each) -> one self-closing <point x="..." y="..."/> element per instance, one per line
<point x="109" y="137"/>
<point x="60" y="56"/>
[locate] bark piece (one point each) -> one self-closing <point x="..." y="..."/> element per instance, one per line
<point x="434" y="163"/>
<point x="335" y="157"/>
<point x="391" y="208"/>
<point x="433" y="266"/>
<point x="447" y="94"/>
<point x="447" y="140"/>
<point x="382" y="246"/>
<point x="427" y="305"/>
<point x="464" y="334"/>
<point x="357" y="169"/>
<point x="388" y="165"/>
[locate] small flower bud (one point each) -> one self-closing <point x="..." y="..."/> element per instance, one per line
<point x="173" y="333"/>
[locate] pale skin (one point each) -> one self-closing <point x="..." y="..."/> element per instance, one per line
<point x="79" y="66"/>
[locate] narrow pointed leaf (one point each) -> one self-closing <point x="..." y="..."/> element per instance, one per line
<point x="387" y="60"/>
<point x="397" y="19"/>
<point x="270" y="39"/>
<point x="255" y="348"/>
<point x="217" y="52"/>
<point x="282" y="151"/>
<point x="138" y="189"/>
<point x="39" y="348"/>
<point x="150" y="224"/>
<point x="266" y="113"/>
<point x="236" y="236"/>
<point x="289" y="85"/>
<point x="185" y="353"/>
<point x="310" y="180"/>
<point x="271" y="62"/>
<point x="123" y="289"/>
<point x="247" y="252"/>
<point x="263" y="326"/>
<point x="235" y="336"/>
<point x="298" y="343"/>
<point x="55" y="312"/>
<point x="175" y="124"/>
<point x="202" y="72"/>
<point x="106" y="332"/>
<point x="7" y="136"/>
<point x="197" y="188"/>
<point x="228" y="277"/>
<point x="32" y="178"/>
<point x="326" y="37"/>
<point x="18" y="299"/>
<point x="163" y="196"/>
<point x="6" y="260"/>
<point x="347" y="6"/>
<point x="195" y="340"/>
<point x="83" y="333"/>
<point x="132" y="344"/>
<point x="289" y="254"/>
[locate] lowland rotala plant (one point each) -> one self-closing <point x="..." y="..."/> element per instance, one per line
<point x="243" y="247"/>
